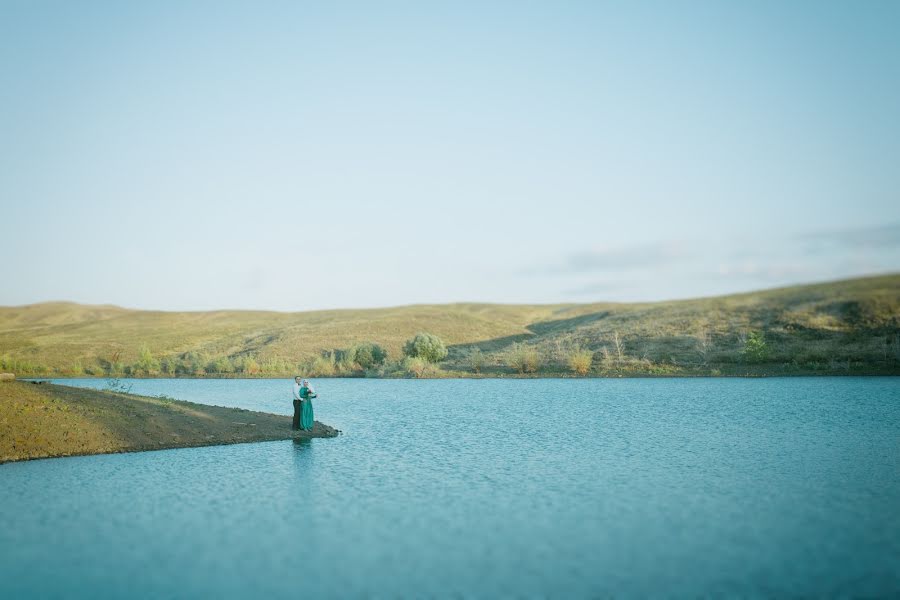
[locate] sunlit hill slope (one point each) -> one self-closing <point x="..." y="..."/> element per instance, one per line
<point x="850" y="326"/>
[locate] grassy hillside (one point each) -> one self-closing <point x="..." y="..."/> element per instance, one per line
<point x="847" y="326"/>
<point x="38" y="421"/>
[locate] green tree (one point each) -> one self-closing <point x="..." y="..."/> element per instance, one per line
<point x="369" y="355"/>
<point x="192" y="363"/>
<point x="755" y="347"/>
<point x="221" y="364"/>
<point x="168" y="365"/>
<point x="246" y="365"/>
<point x="146" y="364"/>
<point x="427" y="347"/>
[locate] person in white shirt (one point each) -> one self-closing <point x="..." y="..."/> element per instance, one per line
<point x="295" y="424"/>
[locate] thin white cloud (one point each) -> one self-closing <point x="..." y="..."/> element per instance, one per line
<point x="699" y="267"/>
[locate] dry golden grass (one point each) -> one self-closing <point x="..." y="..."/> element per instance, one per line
<point x="34" y="423"/>
<point x="854" y="321"/>
<point x="47" y="420"/>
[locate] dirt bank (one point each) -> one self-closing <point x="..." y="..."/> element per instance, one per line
<point x="40" y="421"/>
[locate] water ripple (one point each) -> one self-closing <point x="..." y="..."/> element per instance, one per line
<point x="575" y="488"/>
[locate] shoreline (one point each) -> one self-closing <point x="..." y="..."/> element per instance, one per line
<point x="457" y="375"/>
<point x="53" y="420"/>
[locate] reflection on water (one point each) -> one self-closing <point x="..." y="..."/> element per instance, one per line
<point x="526" y="488"/>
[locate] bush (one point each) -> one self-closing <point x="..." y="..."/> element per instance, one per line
<point x="416" y="366"/>
<point x="76" y="369"/>
<point x="275" y="366"/>
<point x="20" y="366"/>
<point x="368" y="355"/>
<point x="524" y="359"/>
<point x="168" y="365"/>
<point x="476" y="360"/>
<point x="322" y="366"/>
<point x="580" y="361"/>
<point x="193" y="363"/>
<point x="95" y="370"/>
<point x="427" y="347"/>
<point x="146" y="364"/>
<point x="755" y="347"/>
<point x="246" y="365"/>
<point x="220" y="365"/>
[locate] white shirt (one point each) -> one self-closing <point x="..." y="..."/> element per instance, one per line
<point x="296" y="391"/>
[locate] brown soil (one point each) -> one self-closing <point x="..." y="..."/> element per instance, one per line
<point x="40" y="421"/>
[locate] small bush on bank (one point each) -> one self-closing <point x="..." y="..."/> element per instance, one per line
<point x="246" y="365"/>
<point x="580" y="361"/>
<point x="476" y="360"/>
<point x="220" y="366"/>
<point x="75" y="370"/>
<point x="524" y="359"/>
<point x="147" y="364"/>
<point x="22" y="367"/>
<point x="415" y="366"/>
<point x="276" y="366"/>
<point x="368" y="355"/>
<point x="426" y="346"/>
<point x="322" y="366"/>
<point x="755" y="348"/>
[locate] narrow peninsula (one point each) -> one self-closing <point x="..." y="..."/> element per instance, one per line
<point x="47" y="420"/>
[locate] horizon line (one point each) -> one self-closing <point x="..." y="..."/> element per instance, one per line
<point x="461" y="302"/>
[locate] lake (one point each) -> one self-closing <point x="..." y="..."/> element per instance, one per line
<point x="485" y="488"/>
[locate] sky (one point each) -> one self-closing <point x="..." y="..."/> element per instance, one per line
<point x="297" y="156"/>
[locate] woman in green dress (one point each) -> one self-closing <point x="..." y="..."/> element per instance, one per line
<point x="306" y="411"/>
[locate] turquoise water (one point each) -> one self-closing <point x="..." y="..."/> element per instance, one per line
<point x="574" y="488"/>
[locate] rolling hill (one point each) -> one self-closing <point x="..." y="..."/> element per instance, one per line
<point x="850" y="326"/>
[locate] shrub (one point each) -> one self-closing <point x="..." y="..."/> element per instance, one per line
<point x="476" y="360"/>
<point x="605" y="357"/>
<point x="146" y="364"/>
<point x="168" y="365"/>
<point x="620" y="349"/>
<point x="524" y="359"/>
<point x="427" y="347"/>
<point x="95" y="370"/>
<point x="755" y="347"/>
<point x="275" y="365"/>
<point x="220" y="365"/>
<point x="76" y="369"/>
<point x="247" y="365"/>
<point x="368" y="355"/>
<point x="580" y="361"/>
<point x="322" y="366"/>
<point x="704" y="345"/>
<point x="416" y="366"/>
<point x="346" y="361"/>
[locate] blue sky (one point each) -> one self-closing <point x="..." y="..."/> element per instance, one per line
<point x="198" y="155"/>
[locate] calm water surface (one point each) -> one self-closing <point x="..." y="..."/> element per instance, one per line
<point x="576" y="488"/>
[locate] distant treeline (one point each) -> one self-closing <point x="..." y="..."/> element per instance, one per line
<point x="420" y="354"/>
<point x="426" y="355"/>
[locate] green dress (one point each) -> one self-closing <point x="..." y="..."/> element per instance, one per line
<point x="306" y="411"/>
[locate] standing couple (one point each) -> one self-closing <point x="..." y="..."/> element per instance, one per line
<point x="303" y="409"/>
